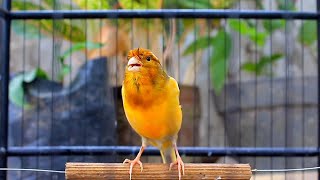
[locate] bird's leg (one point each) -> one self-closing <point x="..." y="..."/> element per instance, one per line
<point x="179" y="162"/>
<point x="135" y="161"/>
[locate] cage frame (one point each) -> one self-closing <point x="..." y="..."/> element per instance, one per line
<point x="6" y="16"/>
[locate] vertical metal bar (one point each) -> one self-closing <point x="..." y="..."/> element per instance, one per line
<point x="38" y="158"/>
<point x="303" y="122"/>
<point x="271" y="93"/>
<point x="318" y="48"/>
<point x="5" y="53"/>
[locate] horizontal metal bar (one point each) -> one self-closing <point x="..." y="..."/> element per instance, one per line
<point x="189" y="151"/>
<point x="164" y="13"/>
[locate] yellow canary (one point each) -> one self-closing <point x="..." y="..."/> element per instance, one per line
<point x="151" y="104"/>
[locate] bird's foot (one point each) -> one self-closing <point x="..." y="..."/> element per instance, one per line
<point x="180" y="164"/>
<point x="132" y="163"/>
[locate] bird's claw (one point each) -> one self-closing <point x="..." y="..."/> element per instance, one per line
<point x="132" y="163"/>
<point x="180" y="164"/>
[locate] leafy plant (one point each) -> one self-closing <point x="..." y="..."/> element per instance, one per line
<point x="271" y="25"/>
<point x="247" y="29"/>
<point x="259" y="67"/>
<point x="221" y="47"/>
<point x="80" y="46"/>
<point x="258" y="37"/>
<point x="220" y="59"/>
<point x="65" y="68"/>
<point x="61" y="28"/>
<point x="64" y="29"/>
<point x="94" y="5"/>
<point x="140" y="4"/>
<point x="308" y="32"/>
<point x="286" y="4"/>
<point x="16" y="86"/>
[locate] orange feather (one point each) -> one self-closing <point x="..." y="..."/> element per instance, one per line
<point x="151" y="101"/>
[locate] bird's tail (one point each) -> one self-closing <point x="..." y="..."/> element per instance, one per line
<point x="168" y="155"/>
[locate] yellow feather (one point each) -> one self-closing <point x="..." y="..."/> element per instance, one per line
<point x="160" y="117"/>
<point x="151" y="104"/>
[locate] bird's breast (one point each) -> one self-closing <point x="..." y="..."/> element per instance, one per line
<point x="151" y="113"/>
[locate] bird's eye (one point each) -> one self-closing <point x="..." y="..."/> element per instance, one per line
<point x="148" y="58"/>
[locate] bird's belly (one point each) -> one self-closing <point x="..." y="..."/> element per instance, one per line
<point x="155" y="122"/>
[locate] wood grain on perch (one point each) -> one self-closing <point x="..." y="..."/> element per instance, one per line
<point x="97" y="171"/>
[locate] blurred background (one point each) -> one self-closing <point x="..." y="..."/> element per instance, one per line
<point x="244" y="82"/>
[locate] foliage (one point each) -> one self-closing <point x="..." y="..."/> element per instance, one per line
<point x="259" y="67"/>
<point x="248" y="29"/>
<point x="94" y="5"/>
<point x="220" y="44"/>
<point x="308" y="32"/>
<point x="75" y="47"/>
<point x="16" y="86"/>
<point x="200" y="43"/>
<point x="286" y="4"/>
<point x="65" y="29"/>
<point x="140" y="4"/>
<point x="80" y="46"/>
<point x="272" y="25"/>
<point x="258" y="37"/>
<point x="220" y="59"/>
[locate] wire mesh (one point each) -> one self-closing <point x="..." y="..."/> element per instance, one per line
<point x="247" y="71"/>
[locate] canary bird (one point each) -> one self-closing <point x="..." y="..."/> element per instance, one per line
<point x="152" y="107"/>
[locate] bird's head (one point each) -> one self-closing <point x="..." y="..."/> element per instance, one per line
<point x="141" y="59"/>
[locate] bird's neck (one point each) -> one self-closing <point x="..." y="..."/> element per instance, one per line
<point x="145" y="86"/>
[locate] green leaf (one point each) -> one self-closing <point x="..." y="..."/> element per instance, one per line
<point x="199" y="44"/>
<point x="66" y="69"/>
<point x="41" y="74"/>
<point x="221" y="4"/>
<point x="308" y="32"/>
<point x="78" y="47"/>
<point x="61" y="28"/>
<point x="249" y="67"/>
<point x="191" y="4"/>
<point x="244" y="28"/>
<point x="16" y="89"/>
<point x="221" y="44"/>
<point x="22" y="28"/>
<point x="259" y="67"/>
<point x="220" y="59"/>
<point x="286" y="4"/>
<point x="140" y="4"/>
<point x="45" y="4"/>
<point x="65" y="29"/>
<point x="24" y="5"/>
<point x="92" y="5"/>
<point x="69" y="30"/>
<point x="272" y="25"/>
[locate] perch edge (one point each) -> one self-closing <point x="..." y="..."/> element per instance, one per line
<point x="97" y="171"/>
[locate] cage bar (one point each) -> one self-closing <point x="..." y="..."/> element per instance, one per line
<point x="188" y="151"/>
<point x="318" y="57"/>
<point x="164" y="13"/>
<point x="4" y="78"/>
<point x="6" y="15"/>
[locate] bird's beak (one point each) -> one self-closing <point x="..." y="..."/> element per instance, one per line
<point x="134" y="64"/>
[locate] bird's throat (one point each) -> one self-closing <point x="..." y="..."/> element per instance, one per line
<point x="143" y="89"/>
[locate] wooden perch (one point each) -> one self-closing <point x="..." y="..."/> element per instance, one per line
<point x="95" y="171"/>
